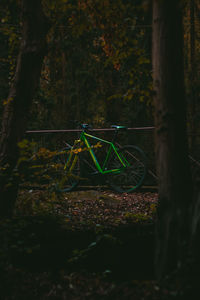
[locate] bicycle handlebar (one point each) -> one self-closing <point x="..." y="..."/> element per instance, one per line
<point x="86" y="126"/>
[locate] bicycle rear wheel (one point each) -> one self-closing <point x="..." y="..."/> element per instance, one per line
<point x="66" y="180"/>
<point x="131" y="177"/>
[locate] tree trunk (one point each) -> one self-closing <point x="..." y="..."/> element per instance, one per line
<point x="175" y="186"/>
<point x="16" y="111"/>
<point x="193" y="75"/>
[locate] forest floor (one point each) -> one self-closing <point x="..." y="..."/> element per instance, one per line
<point x="90" y="244"/>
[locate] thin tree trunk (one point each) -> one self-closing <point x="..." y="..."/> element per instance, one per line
<point x="25" y="82"/>
<point x="192" y="74"/>
<point x="64" y="103"/>
<point x="175" y="187"/>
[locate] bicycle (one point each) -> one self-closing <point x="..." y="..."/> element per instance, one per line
<point x="123" y="168"/>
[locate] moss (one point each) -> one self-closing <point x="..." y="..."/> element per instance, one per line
<point x="137" y="217"/>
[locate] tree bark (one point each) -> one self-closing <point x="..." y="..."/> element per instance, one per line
<point x="193" y="75"/>
<point x="17" y="107"/>
<point x="175" y="186"/>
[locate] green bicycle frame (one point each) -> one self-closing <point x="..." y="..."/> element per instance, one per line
<point x="101" y="169"/>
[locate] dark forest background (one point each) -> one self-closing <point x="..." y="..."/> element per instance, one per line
<point x="107" y="62"/>
<point x="98" y="65"/>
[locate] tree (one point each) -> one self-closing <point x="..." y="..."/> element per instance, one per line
<point x="17" y="106"/>
<point x="175" y="185"/>
<point x="193" y="73"/>
<point x="98" y="62"/>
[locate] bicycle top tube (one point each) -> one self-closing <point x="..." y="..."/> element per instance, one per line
<point x="85" y="127"/>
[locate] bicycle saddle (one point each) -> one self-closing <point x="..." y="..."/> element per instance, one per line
<point x="117" y="127"/>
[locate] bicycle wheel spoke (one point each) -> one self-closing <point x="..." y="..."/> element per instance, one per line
<point x="131" y="177"/>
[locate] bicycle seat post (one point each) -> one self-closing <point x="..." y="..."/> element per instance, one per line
<point x="117" y="128"/>
<point x="114" y="135"/>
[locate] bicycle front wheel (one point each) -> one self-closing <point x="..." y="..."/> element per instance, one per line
<point x="132" y="176"/>
<point x="66" y="179"/>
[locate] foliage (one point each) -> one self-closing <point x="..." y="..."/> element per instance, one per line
<point x="97" y="63"/>
<point x="9" y="37"/>
<point x="44" y="166"/>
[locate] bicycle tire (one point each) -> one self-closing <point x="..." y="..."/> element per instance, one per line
<point x="65" y="181"/>
<point x="132" y="177"/>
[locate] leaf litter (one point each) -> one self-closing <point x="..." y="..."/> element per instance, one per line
<point x="82" y="210"/>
